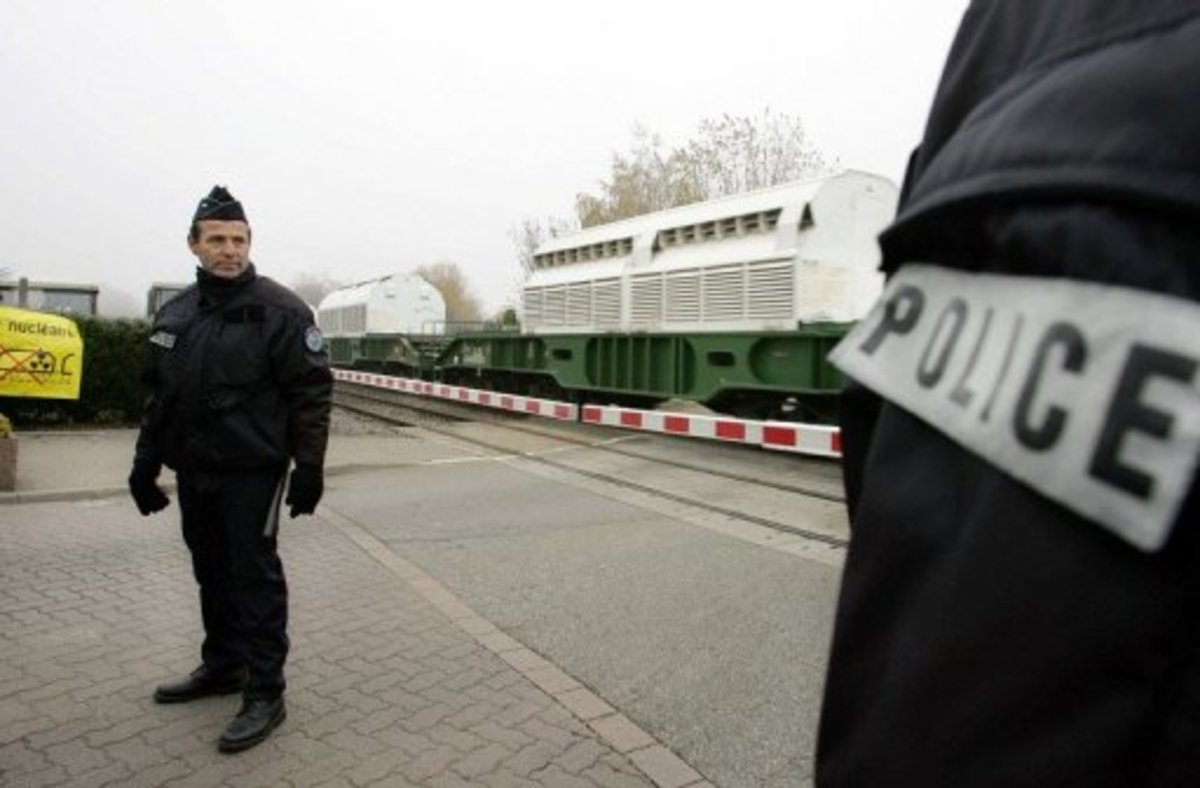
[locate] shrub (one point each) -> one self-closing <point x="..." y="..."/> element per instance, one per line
<point x="110" y="392"/>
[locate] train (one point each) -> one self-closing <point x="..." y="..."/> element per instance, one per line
<point x="394" y="323"/>
<point x="731" y="304"/>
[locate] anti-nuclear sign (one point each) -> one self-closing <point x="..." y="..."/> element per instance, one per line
<point x="41" y="355"/>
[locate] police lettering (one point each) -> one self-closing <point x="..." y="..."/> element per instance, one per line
<point x="1129" y="413"/>
<point x="982" y="343"/>
<point x="911" y="301"/>
<point x="1043" y="436"/>
<point x="963" y="393"/>
<point x="1087" y="393"/>
<point x="946" y="334"/>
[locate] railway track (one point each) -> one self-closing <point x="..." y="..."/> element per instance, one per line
<point x="811" y="507"/>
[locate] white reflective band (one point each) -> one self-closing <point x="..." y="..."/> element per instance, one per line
<point x="271" y="525"/>
<point x="1087" y="393"/>
<point x="163" y="339"/>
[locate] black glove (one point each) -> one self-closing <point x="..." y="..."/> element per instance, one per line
<point x="144" y="487"/>
<point x="305" y="488"/>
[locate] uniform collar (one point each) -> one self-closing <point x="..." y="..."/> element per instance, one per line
<point x="216" y="290"/>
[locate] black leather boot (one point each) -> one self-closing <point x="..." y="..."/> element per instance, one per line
<point x="252" y="724"/>
<point x="200" y="684"/>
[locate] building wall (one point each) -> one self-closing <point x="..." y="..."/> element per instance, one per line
<point x="47" y="297"/>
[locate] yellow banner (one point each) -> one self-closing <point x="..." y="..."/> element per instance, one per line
<point x="41" y="355"/>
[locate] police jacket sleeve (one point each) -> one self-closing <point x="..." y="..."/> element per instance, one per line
<point x="301" y="369"/>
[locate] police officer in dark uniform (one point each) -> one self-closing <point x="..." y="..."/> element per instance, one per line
<point x="240" y="387"/>
<point x="1021" y="596"/>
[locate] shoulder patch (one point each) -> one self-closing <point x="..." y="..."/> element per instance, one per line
<point x="163" y="339"/>
<point x="313" y="340"/>
<point x="1087" y="393"/>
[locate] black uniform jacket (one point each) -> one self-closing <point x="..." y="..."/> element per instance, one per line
<point x="238" y="378"/>
<point x="988" y="634"/>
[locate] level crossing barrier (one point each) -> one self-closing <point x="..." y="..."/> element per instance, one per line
<point x="811" y="439"/>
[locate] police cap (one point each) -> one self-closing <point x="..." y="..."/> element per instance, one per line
<point x="219" y="205"/>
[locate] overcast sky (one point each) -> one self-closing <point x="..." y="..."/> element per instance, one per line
<point x="371" y="137"/>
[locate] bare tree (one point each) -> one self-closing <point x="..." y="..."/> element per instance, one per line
<point x="728" y="155"/>
<point x="314" y="287"/>
<point x="532" y="233"/>
<point x="646" y="179"/>
<point x="461" y="304"/>
<point x="738" y="154"/>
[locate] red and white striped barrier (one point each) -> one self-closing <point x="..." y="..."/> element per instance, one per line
<point x="489" y="399"/>
<point x="814" y="439"/>
<point x="819" y="439"/>
<point x="713" y="427"/>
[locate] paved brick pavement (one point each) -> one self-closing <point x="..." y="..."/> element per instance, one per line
<point x="393" y="681"/>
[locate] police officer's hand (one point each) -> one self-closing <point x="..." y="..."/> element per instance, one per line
<point x="143" y="486"/>
<point x="305" y="488"/>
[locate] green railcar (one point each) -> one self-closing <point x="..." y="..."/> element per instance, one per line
<point x="775" y="375"/>
<point x="392" y="354"/>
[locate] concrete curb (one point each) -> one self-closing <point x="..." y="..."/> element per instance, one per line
<point x="78" y="494"/>
<point x="113" y="491"/>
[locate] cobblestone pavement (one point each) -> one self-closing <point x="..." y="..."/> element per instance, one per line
<point x="393" y="681"/>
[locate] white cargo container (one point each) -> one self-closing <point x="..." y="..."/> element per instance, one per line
<point x="394" y="304"/>
<point x="766" y="260"/>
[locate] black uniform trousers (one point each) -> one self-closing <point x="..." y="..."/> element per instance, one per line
<point x="230" y="524"/>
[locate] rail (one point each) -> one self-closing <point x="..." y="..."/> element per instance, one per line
<point x="799" y="507"/>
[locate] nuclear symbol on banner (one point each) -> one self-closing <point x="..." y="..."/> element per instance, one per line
<point x="41" y="363"/>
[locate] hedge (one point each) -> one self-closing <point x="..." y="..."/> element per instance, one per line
<point x="110" y="392"/>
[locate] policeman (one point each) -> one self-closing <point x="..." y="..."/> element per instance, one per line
<point x="1022" y="587"/>
<point x="239" y="386"/>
